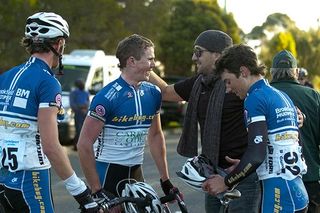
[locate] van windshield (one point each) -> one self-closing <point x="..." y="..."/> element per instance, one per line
<point x="70" y="74"/>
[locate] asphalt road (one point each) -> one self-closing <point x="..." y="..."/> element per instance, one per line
<point x="194" y="200"/>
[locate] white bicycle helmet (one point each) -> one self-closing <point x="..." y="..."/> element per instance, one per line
<point x="141" y="190"/>
<point x="195" y="171"/>
<point x="46" y="26"/>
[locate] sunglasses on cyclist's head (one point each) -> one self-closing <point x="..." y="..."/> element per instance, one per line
<point x="198" y="51"/>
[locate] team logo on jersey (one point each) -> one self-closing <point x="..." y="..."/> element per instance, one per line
<point x="21" y="98"/>
<point x="130" y="95"/>
<point x="58" y="99"/>
<point x="100" y="110"/>
<point x="117" y="86"/>
<point x="141" y="93"/>
<point x="14" y="180"/>
<point x="258" y="139"/>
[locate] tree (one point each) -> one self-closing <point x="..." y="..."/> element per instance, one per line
<point x="188" y="19"/>
<point x="280" y="41"/>
<point x="12" y="30"/>
<point x="279" y="32"/>
<point x="145" y="17"/>
<point x="99" y="24"/>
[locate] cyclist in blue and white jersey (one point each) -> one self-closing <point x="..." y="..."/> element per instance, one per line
<point x="121" y="118"/>
<point x="30" y="100"/>
<point x="274" y="150"/>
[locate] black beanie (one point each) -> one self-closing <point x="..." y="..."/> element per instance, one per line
<point x="214" y="40"/>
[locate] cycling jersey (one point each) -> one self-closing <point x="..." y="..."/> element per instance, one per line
<point x="284" y="153"/>
<point x="25" y="89"/>
<point x="127" y="113"/>
<point x="24" y="168"/>
<point x="283" y="165"/>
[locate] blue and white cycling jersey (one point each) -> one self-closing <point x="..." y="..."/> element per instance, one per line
<point x="284" y="154"/>
<point x="127" y="113"/>
<point x="23" y="90"/>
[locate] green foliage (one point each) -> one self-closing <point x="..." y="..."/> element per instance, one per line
<point x="305" y="46"/>
<point x="188" y="19"/>
<point x="308" y="50"/>
<point x="98" y="24"/>
<point x="12" y="30"/>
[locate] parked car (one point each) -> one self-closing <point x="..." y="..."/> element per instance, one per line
<point x="172" y="113"/>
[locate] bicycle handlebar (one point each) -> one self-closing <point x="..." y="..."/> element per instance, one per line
<point x="174" y="194"/>
<point x="147" y="201"/>
<point x="140" y="202"/>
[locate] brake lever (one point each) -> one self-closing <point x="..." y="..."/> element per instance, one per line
<point x="181" y="203"/>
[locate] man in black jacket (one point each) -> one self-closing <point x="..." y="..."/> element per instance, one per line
<point x="219" y="114"/>
<point x="284" y="73"/>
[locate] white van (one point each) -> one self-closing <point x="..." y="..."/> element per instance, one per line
<point x="92" y="66"/>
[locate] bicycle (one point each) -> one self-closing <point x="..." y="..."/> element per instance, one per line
<point x="141" y="203"/>
<point x="144" y="203"/>
<point x="226" y="197"/>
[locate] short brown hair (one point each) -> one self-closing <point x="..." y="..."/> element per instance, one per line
<point x="133" y="45"/>
<point x="239" y="55"/>
<point x="34" y="47"/>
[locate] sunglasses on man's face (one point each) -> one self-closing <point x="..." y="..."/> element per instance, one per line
<point x="198" y="52"/>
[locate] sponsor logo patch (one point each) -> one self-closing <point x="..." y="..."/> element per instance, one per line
<point x="100" y="110"/>
<point x="58" y="99"/>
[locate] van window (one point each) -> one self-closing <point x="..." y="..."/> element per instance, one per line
<point x="70" y="74"/>
<point x="97" y="81"/>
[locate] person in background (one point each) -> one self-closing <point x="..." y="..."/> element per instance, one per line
<point x="79" y="103"/>
<point x="30" y="101"/>
<point x="274" y="149"/>
<point x="285" y="74"/>
<point x="220" y="115"/>
<point x="303" y="77"/>
<point x="122" y="117"/>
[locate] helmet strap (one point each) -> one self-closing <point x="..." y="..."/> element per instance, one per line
<point x="60" y="72"/>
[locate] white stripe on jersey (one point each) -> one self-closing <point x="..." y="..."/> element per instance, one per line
<point x="258" y="118"/>
<point x="20" y="72"/>
<point x="128" y="127"/>
<point x="285" y="100"/>
<point x="22" y="116"/>
<point x="282" y="129"/>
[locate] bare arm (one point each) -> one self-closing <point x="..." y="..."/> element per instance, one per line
<point x="89" y="133"/>
<point x="167" y="91"/>
<point x="47" y="120"/>
<point x="158" y="147"/>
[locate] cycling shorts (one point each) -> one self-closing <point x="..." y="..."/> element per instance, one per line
<point x="113" y="177"/>
<point x="26" y="191"/>
<point x="280" y="195"/>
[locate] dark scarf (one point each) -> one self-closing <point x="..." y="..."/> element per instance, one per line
<point x="188" y="143"/>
